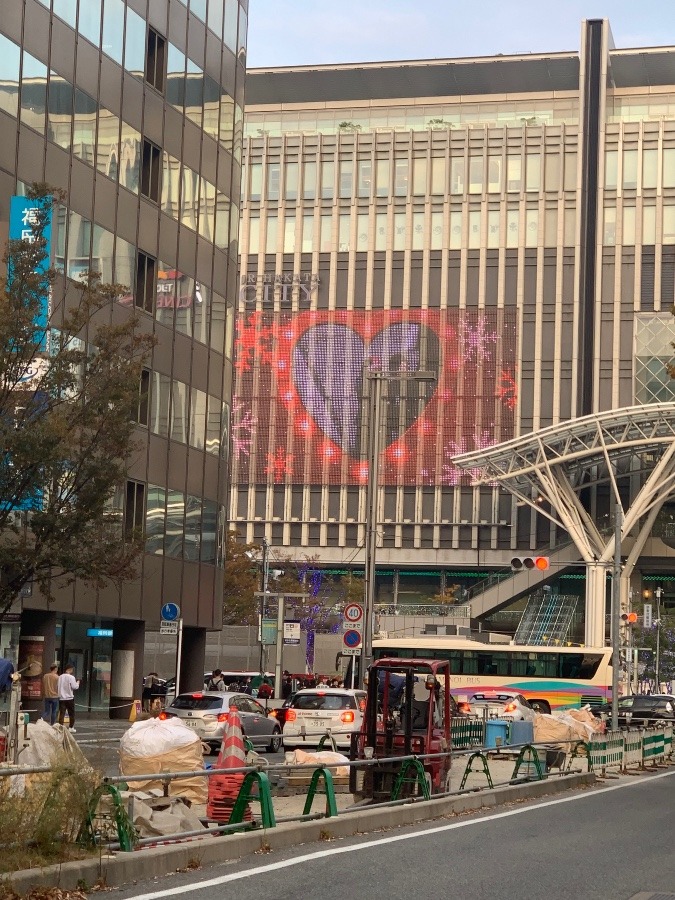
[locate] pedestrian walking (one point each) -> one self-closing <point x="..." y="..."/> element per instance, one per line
<point x="67" y="684"/>
<point x="148" y="685"/>
<point x="50" y="692"/>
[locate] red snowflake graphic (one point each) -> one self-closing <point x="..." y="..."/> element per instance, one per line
<point x="279" y="464"/>
<point x="253" y="342"/>
<point x="507" y="390"/>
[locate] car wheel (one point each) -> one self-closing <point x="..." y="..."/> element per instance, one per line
<point x="540" y="706"/>
<point x="275" y="742"/>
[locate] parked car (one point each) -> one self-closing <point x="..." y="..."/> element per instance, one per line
<point x="208" y="711"/>
<point x="501" y="705"/>
<point x="648" y="709"/>
<point x="603" y="710"/>
<point x="314" y="711"/>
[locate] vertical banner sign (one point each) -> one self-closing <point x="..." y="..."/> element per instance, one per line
<point x="23" y="215"/>
<point x="31" y="666"/>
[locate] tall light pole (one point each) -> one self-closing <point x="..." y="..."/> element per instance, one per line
<point x="657" y="663"/>
<point x="263" y="598"/>
<point x="616" y="611"/>
<point x="374" y="382"/>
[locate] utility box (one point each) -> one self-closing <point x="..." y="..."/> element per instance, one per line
<point x="521" y="733"/>
<point x="496" y="733"/>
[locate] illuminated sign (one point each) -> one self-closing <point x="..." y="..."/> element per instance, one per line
<point x="278" y="289"/>
<point x="100" y="632"/>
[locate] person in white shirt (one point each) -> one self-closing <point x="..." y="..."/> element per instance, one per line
<point x="67" y="685"/>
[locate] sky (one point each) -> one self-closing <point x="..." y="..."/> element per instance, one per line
<point x="302" y="32"/>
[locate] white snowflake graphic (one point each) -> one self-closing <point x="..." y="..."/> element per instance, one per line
<point x="476" y="339"/>
<point x="243" y="428"/>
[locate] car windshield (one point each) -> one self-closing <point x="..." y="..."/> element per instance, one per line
<point x="196" y="702"/>
<point x="494" y="698"/>
<point x="324" y="701"/>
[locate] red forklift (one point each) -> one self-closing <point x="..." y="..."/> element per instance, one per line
<point x="407" y="713"/>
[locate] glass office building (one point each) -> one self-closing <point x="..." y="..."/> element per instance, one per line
<point x="134" y="108"/>
<point x="507" y="223"/>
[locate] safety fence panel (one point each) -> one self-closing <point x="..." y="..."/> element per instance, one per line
<point x="467" y="733"/>
<point x="668" y="740"/>
<point x="653" y="746"/>
<point x="632" y="748"/>
<point x="606" y="751"/>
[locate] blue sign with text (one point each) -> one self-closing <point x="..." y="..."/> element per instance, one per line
<point x="24" y="215"/>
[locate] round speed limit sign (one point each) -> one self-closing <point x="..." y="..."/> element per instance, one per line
<point x="353" y="612"/>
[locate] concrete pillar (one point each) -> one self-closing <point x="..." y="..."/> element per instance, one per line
<point x="37" y="623"/>
<point x="596" y="598"/>
<point x="126" y="676"/>
<point x="192" y="662"/>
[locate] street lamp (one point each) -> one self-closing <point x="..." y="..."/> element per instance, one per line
<point x="263" y="594"/>
<point x="375" y="381"/>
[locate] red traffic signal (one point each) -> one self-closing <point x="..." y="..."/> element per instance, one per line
<point x="530" y="562"/>
<point x="629" y="618"/>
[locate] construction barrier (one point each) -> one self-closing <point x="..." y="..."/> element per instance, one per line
<point x="606" y="751"/>
<point x="467" y="733"/>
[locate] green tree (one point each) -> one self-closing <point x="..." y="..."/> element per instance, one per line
<point x="69" y="395"/>
<point x="241" y="580"/>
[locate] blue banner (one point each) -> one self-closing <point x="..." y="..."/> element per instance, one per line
<point x="24" y="214"/>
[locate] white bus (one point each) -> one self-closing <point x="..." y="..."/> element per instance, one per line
<point x="549" y="677"/>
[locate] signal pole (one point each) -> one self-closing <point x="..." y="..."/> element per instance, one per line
<point x="614" y="619"/>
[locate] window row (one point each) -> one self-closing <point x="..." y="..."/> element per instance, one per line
<point x="649" y="231"/>
<point x="175" y="298"/>
<point x="638" y="107"/>
<point x="633" y="176"/>
<point x="121" y="33"/>
<point x="512" y="226"/>
<point x="419" y="176"/>
<point x="176" y="524"/>
<point x="413" y="118"/>
<point x="173" y="410"/>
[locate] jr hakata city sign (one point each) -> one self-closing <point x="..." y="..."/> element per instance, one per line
<point x="278" y="289"/>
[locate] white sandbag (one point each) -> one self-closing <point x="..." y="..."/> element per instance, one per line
<point x="47" y="745"/>
<point x="154" y="737"/>
<point x="324" y="758"/>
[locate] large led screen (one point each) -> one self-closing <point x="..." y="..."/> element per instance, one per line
<point x="301" y="394"/>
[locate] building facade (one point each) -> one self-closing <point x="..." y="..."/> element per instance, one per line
<point x="506" y="224"/>
<point x="134" y="109"/>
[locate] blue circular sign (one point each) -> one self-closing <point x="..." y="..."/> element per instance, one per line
<point x="352" y="638"/>
<point x="170" y="612"/>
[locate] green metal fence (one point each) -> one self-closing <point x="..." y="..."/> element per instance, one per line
<point x="467" y="733"/>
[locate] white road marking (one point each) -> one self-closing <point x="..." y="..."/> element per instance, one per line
<point x="368" y="845"/>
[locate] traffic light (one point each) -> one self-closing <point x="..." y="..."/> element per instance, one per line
<point x="629" y="618"/>
<point x="530" y="562"/>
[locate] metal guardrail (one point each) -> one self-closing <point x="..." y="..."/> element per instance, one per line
<point x="442" y="610"/>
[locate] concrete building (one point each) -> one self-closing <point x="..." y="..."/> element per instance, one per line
<point x="507" y="223"/>
<point x="134" y="108"/>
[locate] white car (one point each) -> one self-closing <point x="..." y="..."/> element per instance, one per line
<point x="315" y="712"/>
<point x="501" y="705"/>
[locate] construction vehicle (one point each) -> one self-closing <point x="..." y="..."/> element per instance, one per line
<point x="407" y="713"/>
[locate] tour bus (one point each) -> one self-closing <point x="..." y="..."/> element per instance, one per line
<point x="550" y="677"/>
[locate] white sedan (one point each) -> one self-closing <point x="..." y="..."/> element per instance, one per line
<point x="315" y="712"/>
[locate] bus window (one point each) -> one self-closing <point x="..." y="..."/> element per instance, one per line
<point x="469" y="663"/>
<point x="519" y="664"/>
<point x="589" y="665"/>
<point x="455" y="661"/>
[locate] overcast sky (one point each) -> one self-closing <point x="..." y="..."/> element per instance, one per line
<point x="299" y="32"/>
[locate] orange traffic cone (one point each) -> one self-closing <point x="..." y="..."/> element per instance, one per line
<point x="223" y="789"/>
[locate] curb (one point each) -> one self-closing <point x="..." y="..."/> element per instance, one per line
<point x="159" y="861"/>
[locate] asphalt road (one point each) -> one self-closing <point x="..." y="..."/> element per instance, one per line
<point x="605" y="843"/>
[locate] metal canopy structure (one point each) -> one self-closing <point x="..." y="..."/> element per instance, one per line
<point x="554" y="464"/>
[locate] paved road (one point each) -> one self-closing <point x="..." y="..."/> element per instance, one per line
<point x="607" y="843"/>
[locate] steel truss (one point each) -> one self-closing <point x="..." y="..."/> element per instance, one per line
<point x="554" y="464"/>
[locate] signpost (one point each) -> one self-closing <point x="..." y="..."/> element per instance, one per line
<point x="172" y="623"/>
<point x="292" y="631"/>
<point x="352" y="640"/>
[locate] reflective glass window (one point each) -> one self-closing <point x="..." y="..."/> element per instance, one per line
<point x="418" y="231"/>
<point x="108" y="145"/>
<point x="648" y="224"/>
<point x="381" y="231"/>
<point x="609" y="230"/>
<point x="175" y="77"/>
<point x="33" y="93"/>
<point x="194" y="93"/>
<point x="364" y="177"/>
<point x="213" y="425"/>
<point x="102" y="245"/>
<point x="457" y="175"/>
<point x="551" y="227"/>
<point x="230" y="29"/>
<point x="493" y="228"/>
<point x="669" y="167"/>
<point x="570" y="173"/>
<point x="193" y="528"/>
<point x="211" y="105"/>
<point x="382" y="176"/>
<point x="494" y="174"/>
<point x="189" y="198"/>
<point x="170" y="201"/>
<point x="611" y="169"/>
<point x="254" y="234"/>
<point x="650" y="166"/>
<point x="476" y="164"/>
<point x="326" y="237"/>
<point x="254" y="181"/>
<point x="197" y="419"/>
<point x="401" y="166"/>
<point x="474" y="228"/>
<point x="207" y="206"/>
<point x="668" y="223"/>
<point x="273" y="172"/>
<point x="168" y="294"/>
<point x="628" y="231"/>
<point x="344" y="231"/>
<point x="223" y="228"/>
<point x="399" y="231"/>
<point x="552" y="172"/>
<point x="512" y="226"/>
<point x="113" y="29"/>
<point x="209" y="529"/>
<point x="438" y="176"/>
<point x="327" y="179"/>
<point x="84" y="126"/>
<point x="362" y="231"/>
<point x="89" y="23"/>
<point x="226" y="128"/>
<point x="570" y="226"/>
<point x="160" y="404"/>
<point x="175" y="513"/>
<point x="130" y="157"/>
<point x="289" y="233"/>
<point x="125" y="268"/>
<point x="271" y="235"/>
<point x="308" y="181"/>
<point x="308" y="233"/>
<point x="243" y="27"/>
<point x="78" y="251"/>
<point x="66" y="10"/>
<point x="513" y="173"/>
<point x="533" y="172"/>
<point x="436" y="237"/>
<point x="346" y="177"/>
<point x="215" y="17"/>
<point x="455" y="229"/>
<point x="630" y="169"/>
<point x="531" y="227"/>
<point x="291" y="175"/>
<point x="419" y="176"/>
<point x="219" y="312"/>
<point x="179" y="412"/>
<point x="155" y="518"/>
<point x="229" y="352"/>
<point x="59" y="222"/>
<point x="59" y="110"/>
<point x="198" y="8"/>
<point x="134" y="45"/>
<point x="10" y="57"/>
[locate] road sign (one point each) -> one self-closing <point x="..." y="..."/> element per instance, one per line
<point x="357" y="626"/>
<point x="292" y="632"/>
<point x="351" y="651"/>
<point x="352" y="638"/>
<point x="353" y="613"/>
<point x="168" y="627"/>
<point x="170" y="612"/>
<point x="647" y="616"/>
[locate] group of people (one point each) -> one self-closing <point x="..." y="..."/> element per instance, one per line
<point x="59" y="695"/>
<point x="154" y="691"/>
